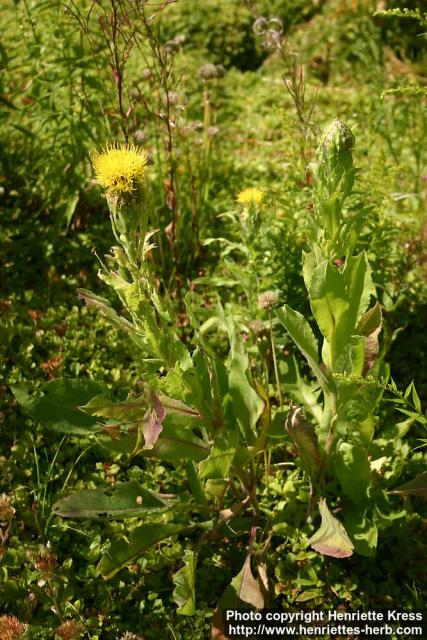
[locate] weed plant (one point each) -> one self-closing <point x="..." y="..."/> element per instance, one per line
<point x="232" y="413"/>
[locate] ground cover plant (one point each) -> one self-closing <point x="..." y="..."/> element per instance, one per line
<point x="213" y="302"/>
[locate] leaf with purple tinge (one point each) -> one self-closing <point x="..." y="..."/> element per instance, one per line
<point x="304" y="438"/>
<point x="152" y="425"/>
<point x="244" y="593"/>
<point x="331" y="538"/>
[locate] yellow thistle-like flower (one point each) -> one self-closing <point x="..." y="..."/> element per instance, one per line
<point x="120" y="168"/>
<point x="250" y="195"/>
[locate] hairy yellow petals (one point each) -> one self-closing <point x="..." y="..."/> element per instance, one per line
<point x="250" y="195"/>
<point x="120" y="168"/>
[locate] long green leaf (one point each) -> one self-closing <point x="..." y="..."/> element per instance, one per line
<point x="247" y="405"/>
<point x="58" y="406"/>
<point x="129" y="499"/>
<point x="121" y="553"/>
<point x="302" y="335"/>
<point x="358" y="281"/>
<point x="328" y="299"/>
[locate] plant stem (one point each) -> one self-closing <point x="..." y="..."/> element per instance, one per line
<point x="273" y="351"/>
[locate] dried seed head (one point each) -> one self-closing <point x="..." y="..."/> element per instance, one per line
<point x="146" y="74"/>
<point x="210" y="71"/>
<point x="45" y="561"/>
<point x="6" y="509"/>
<point x="134" y="93"/>
<point x="213" y="131"/>
<point x="192" y="127"/>
<point x="171" y="46"/>
<point x="69" y="630"/>
<point x="270" y="29"/>
<point x="272" y="39"/>
<point x="139" y="136"/>
<point x="275" y="24"/>
<point x="12" y="629"/>
<point x="172" y="97"/>
<point x="268" y="299"/>
<point x="260" y="25"/>
<point x="256" y="326"/>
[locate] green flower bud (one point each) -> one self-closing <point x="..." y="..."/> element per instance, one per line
<point x="334" y="157"/>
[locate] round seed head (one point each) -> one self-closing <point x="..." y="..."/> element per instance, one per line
<point x="6" y="509"/>
<point x="139" y="136"/>
<point x="210" y="71"/>
<point x="268" y="299"/>
<point x="146" y="74"/>
<point x="212" y="131"/>
<point x="70" y="630"/>
<point x="12" y="629"/>
<point x="256" y="326"/>
<point x="171" y="46"/>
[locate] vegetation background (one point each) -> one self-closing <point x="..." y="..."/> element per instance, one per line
<point x="224" y="95"/>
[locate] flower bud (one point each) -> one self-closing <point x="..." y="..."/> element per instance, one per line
<point x="334" y="155"/>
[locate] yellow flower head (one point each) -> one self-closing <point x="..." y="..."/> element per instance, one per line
<point x="119" y="168"/>
<point x="250" y="195"/>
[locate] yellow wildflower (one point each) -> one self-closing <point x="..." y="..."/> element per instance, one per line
<point x="250" y="195"/>
<point x="119" y="169"/>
